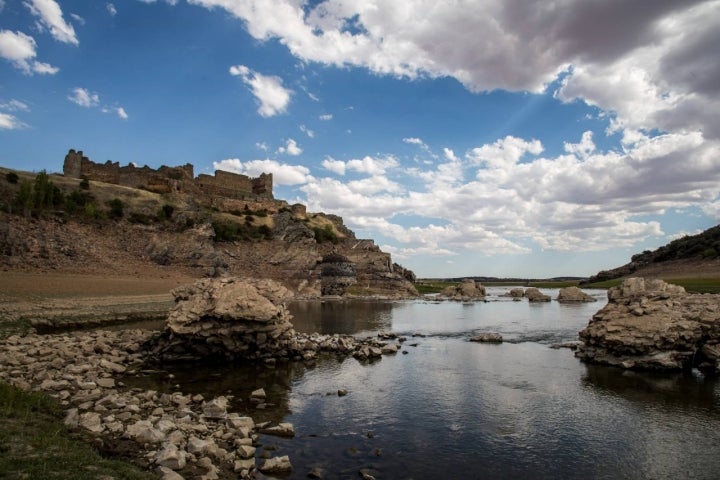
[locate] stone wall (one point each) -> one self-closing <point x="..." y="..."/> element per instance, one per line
<point x="168" y="179"/>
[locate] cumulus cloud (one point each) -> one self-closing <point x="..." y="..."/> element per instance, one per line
<point x="581" y="200"/>
<point x="14" y="106"/>
<point x="121" y="113"/>
<point x="273" y="98"/>
<point x="653" y="64"/>
<point x="326" y="117"/>
<point x="111" y="9"/>
<point x="283" y="174"/>
<point x="291" y="148"/>
<point x="84" y="97"/>
<point x="20" y="50"/>
<point x="51" y="17"/>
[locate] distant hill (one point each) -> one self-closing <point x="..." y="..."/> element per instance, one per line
<point x="692" y="255"/>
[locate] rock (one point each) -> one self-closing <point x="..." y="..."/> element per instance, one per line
<point x="197" y="446"/>
<point x="572" y="295"/>
<point x="216" y="408"/>
<point x="245" y="452"/>
<point x="389" y="349"/>
<point x="487" y="338"/>
<point x="649" y="324"/>
<point x="258" y="394"/>
<point x="515" y="293"/>
<point x="466" y="290"/>
<point x="280" y="430"/>
<point x="276" y="465"/>
<point x="227" y="317"/>
<point x="316" y="472"/>
<point x="72" y="418"/>
<point x="171" y="457"/>
<point x="166" y="474"/>
<point x="91" y="422"/>
<point x="336" y="275"/>
<point x="535" y="295"/>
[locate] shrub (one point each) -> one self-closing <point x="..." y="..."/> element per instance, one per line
<point x="12" y="177"/>
<point x="84" y="183"/>
<point x="116" y="208"/>
<point x="325" y="234"/>
<point x="165" y="213"/>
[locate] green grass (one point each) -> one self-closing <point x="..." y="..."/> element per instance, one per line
<point x="693" y="285"/>
<point x="34" y="443"/>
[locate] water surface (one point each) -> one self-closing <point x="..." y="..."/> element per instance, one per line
<point x="450" y="408"/>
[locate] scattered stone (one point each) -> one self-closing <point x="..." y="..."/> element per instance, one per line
<point x="276" y="465"/>
<point x="280" y="430"/>
<point x="342" y="392"/>
<point x="171" y="457"/>
<point x="216" y="408"/>
<point x="91" y="422"/>
<point x="487" y="338"/>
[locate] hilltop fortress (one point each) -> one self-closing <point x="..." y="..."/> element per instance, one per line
<point x="172" y="179"/>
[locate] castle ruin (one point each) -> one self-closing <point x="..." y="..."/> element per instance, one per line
<point x="170" y="179"/>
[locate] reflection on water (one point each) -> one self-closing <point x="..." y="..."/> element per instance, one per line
<point x="450" y="408"/>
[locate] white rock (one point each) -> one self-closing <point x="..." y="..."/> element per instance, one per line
<point x="171" y="457"/>
<point x="276" y="465"/>
<point x="91" y="421"/>
<point x="216" y="408"/>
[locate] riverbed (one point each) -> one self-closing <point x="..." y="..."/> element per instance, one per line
<point x="444" y="407"/>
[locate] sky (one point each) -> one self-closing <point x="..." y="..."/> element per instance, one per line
<point x="466" y="137"/>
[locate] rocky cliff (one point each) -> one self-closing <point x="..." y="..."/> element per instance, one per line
<point x="156" y="234"/>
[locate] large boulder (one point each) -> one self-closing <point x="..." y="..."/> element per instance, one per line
<point x="535" y="295"/>
<point x="574" y="295"/>
<point x="467" y="289"/>
<point x="226" y="317"/>
<point x="650" y="324"/>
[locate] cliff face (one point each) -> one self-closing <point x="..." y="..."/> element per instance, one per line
<point x="287" y="246"/>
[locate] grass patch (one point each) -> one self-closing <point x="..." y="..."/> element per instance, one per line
<point x="425" y="287"/>
<point x="14" y="327"/>
<point x="692" y="285"/>
<point x="34" y="443"/>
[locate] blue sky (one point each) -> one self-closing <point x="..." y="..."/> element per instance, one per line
<point x="495" y="137"/>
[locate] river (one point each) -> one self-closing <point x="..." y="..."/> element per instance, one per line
<point x="450" y="408"/>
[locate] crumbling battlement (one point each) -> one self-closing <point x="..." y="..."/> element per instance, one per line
<point x="170" y="179"/>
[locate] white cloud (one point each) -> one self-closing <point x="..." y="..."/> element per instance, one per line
<point x="84" y="97"/>
<point x="20" y="50"/>
<point x="10" y="122"/>
<point x="413" y="140"/>
<point x="51" y="17"/>
<point x="268" y="90"/>
<point x="307" y="131"/>
<point x="326" y="117"/>
<point x="290" y="148"/>
<point x="14" y="106"/>
<point x="261" y="146"/>
<point x="283" y="174"/>
<point x="336" y="166"/>
<point x="504" y="153"/>
<point x="111" y="9"/>
<point x="653" y="64"/>
<point x="582" y="200"/>
<point x="78" y="18"/>
<point x="121" y="113"/>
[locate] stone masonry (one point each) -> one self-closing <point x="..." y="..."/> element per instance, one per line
<point x="170" y="179"/>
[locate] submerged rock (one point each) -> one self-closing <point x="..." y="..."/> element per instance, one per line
<point x="487" y="338"/>
<point x="650" y="324"/>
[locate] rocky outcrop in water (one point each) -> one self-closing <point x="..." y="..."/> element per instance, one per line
<point x="574" y="295"/>
<point x="241" y="319"/>
<point x="650" y="324"/>
<point x="466" y="290"/>
<point x="535" y="295"/>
